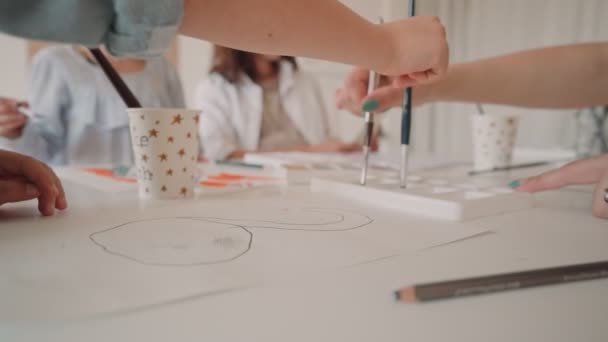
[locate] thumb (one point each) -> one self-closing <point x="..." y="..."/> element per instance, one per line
<point x="382" y="99"/>
<point x="16" y="190"/>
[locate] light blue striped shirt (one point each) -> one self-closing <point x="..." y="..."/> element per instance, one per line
<point x="77" y="116"/>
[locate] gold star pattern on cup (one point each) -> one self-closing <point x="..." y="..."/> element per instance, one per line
<point x="163" y="188"/>
<point x="144" y="157"/>
<point x="163" y="157"/>
<point x="153" y="133"/>
<point x="170" y="172"/>
<point x="183" y="191"/>
<point x="181" y="153"/>
<point x="170" y="139"/>
<point x="177" y="119"/>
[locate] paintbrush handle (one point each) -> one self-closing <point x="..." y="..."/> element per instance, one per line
<point x="121" y="87"/>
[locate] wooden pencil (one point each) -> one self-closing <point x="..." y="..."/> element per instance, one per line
<point x="502" y="282"/>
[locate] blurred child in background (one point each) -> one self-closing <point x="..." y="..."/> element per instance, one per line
<point x="261" y="103"/>
<point x="77" y="118"/>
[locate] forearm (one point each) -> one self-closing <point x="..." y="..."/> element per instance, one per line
<point x="313" y="28"/>
<point x="560" y="77"/>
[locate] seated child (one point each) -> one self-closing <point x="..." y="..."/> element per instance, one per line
<point x="262" y="103"/>
<point x="77" y="117"/>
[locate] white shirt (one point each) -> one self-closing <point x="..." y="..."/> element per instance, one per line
<point x="232" y="113"/>
<point x="277" y="129"/>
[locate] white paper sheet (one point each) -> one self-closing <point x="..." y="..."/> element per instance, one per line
<point x="78" y="268"/>
<point x="97" y="182"/>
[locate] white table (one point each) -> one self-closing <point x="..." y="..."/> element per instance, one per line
<point x="356" y="303"/>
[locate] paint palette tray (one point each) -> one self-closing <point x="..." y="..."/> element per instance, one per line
<point x="437" y="198"/>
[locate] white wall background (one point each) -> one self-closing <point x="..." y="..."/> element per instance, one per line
<point x="482" y="28"/>
<point x="12" y="66"/>
<point x="476" y="29"/>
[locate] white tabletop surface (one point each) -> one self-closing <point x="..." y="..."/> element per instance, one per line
<point x="356" y="303"/>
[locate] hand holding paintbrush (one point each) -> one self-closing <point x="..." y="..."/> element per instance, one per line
<point x="373" y="81"/>
<point x="369" y="129"/>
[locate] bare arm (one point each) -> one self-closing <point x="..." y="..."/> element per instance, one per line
<point x="571" y="76"/>
<point x="312" y="28"/>
<point x="323" y="29"/>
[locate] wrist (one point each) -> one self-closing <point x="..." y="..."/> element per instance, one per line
<point x="432" y="93"/>
<point x="383" y="49"/>
<point x="446" y="88"/>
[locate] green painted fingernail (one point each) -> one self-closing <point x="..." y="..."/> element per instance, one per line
<point x="514" y="184"/>
<point x="370" y="105"/>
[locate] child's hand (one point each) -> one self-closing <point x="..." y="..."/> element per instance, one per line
<point x="586" y="171"/>
<point x="23" y="178"/>
<point x="334" y="146"/>
<point x="11" y="120"/>
<point x="420" y="51"/>
<point x="354" y="98"/>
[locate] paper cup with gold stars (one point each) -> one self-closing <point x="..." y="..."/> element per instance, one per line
<point x="165" y="148"/>
<point x="493" y="140"/>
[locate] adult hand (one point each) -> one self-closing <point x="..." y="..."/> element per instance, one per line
<point x="421" y="58"/>
<point x="354" y="98"/>
<point x="587" y="171"/>
<point x="11" y="119"/>
<point x="334" y="146"/>
<point x="23" y="178"/>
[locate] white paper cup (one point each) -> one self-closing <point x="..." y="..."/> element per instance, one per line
<point x="493" y="140"/>
<point x="165" y="149"/>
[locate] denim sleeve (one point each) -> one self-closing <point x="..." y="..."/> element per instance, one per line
<point x="136" y="28"/>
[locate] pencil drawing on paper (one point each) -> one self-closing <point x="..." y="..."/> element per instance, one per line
<point x="175" y="241"/>
<point x="199" y="241"/>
